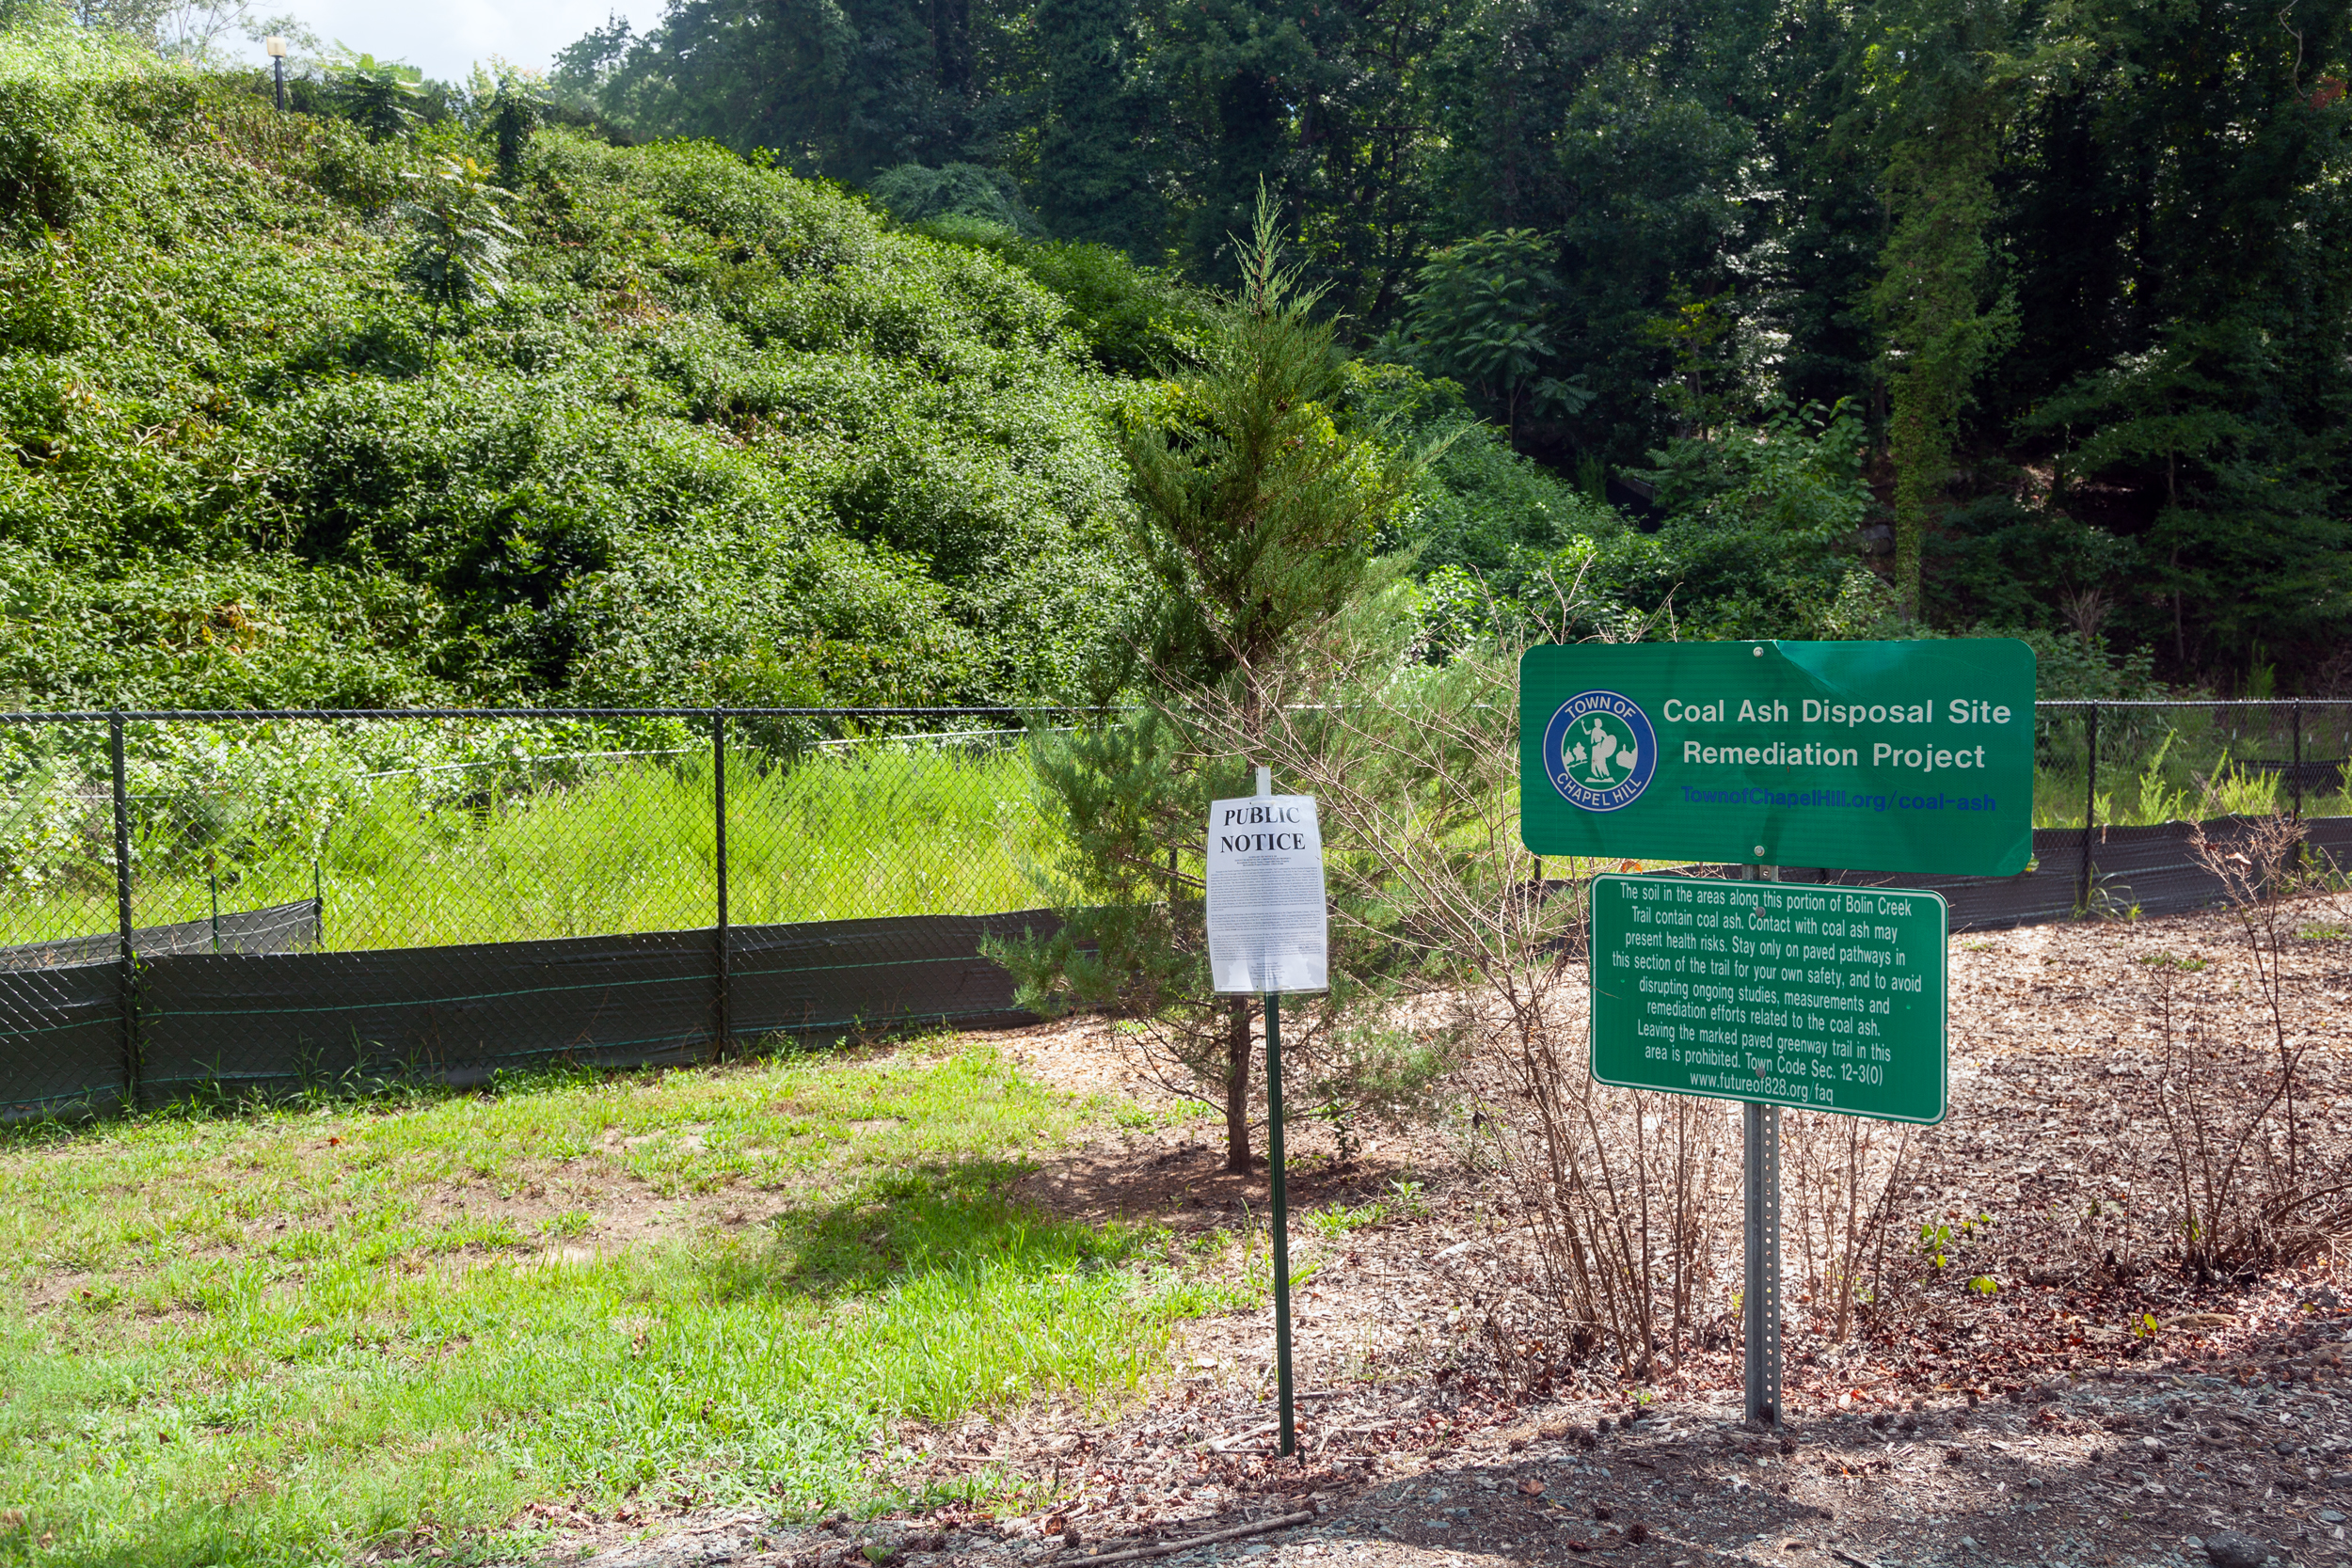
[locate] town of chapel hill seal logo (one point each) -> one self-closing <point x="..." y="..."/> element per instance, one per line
<point x="1600" y="751"/>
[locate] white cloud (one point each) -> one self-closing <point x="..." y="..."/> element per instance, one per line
<point x="447" y="38"/>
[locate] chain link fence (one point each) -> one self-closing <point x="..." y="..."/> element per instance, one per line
<point x="221" y="901"/>
<point x="2141" y="765"/>
<point x="218" y="902"/>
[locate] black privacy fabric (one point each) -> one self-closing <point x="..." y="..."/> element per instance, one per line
<point x="61" y="1039"/>
<point x="458" y="1014"/>
<point x="455" y="1014"/>
<point x="279" y="928"/>
<point x="890" y="974"/>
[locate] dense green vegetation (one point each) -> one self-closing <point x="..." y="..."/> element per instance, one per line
<point x="715" y="433"/>
<point x="1830" y="321"/>
<point x="2077" y="275"/>
<point x="311" y="409"/>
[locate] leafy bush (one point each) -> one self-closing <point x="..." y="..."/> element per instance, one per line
<point x="1756" y="540"/>
<point x="1135" y="320"/>
<point x="968" y="191"/>
<point x="1477" y="505"/>
<point x="724" y="430"/>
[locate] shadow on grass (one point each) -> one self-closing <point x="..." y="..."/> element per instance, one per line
<point x="897" y="1226"/>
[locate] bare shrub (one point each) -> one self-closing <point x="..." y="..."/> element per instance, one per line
<point x="1627" y="1198"/>
<point x="1840" y="1178"/>
<point x="2256" y="1182"/>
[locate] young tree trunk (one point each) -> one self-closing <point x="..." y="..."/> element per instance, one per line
<point x="1238" y="1088"/>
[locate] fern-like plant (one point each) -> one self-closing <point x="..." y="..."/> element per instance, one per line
<point x="459" y="256"/>
<point x="378" y="96"/>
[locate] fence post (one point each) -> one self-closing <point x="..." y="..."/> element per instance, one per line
<point x="2091" y="801"/>
<point x="122" y="915"/>
<point x="2298" y="759"/>
<point x="724" y="1001"/>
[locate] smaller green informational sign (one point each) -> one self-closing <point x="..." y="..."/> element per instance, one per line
<point x="1822" y="997"/>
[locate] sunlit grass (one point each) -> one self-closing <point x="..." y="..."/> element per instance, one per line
<point x="886" y="828"/>
<point x="2182" y="764"/>
<point x="277" y="1336"/>
<point x="881" y="830"/>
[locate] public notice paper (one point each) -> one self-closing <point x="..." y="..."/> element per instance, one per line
<point x="1268" y="930"/>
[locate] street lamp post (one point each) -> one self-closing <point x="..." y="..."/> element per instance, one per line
<point x="276" y="47"/>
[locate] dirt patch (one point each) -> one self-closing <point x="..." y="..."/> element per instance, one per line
<point x="1175" y="1173"/>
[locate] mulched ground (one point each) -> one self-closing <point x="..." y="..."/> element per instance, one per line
<point x="2094" y="1408"/>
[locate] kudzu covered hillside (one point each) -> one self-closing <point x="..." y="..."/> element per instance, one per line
<point x="299" y="414"/>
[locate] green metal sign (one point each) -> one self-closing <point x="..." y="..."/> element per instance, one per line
<point x="1868" y="757"/>
<point x="1824" y="997"/>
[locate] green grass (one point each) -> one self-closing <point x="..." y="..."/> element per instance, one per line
<point x="410" y="861"/>
<point x="2176" y="764"/>
<point x="282" y="1337"/>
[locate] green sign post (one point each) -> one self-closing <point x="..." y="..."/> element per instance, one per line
<point x="1826" y="998"/>
<point x="1867" y="756"/>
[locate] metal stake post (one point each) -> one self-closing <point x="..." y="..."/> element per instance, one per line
<point x="2091" y="801"/>
<point x="1762" y="1302"/>
<point x="1763" y="1262"/>
<point x="2298" y="759"/>
<point x="1281" y="1220"/>
<point x="723" y="1002"/>
<point x="122" y="917"/>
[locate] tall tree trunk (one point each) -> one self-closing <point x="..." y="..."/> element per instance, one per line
<point x="1238" y="1088"/>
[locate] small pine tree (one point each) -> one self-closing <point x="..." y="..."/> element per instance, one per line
<point x="1257" y="517"/>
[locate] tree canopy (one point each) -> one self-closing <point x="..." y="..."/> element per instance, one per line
<point x="2079" y="271"/>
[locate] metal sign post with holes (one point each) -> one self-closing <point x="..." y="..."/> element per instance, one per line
<point x="1269" y="935"/>
<point x="1760" y="1127"/>
<point x="1864" y="756"/>
<point x="1760" y="1302"/>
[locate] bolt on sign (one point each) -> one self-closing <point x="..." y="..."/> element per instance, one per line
<point x="1868" y="757"/>
<point x="1822" y="997"/>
